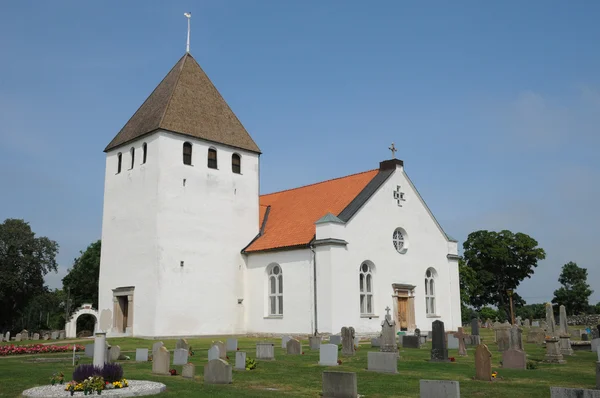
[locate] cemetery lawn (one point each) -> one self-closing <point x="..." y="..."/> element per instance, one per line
<point x="300" y="376"/>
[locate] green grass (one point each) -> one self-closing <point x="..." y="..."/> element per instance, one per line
<point x="300" y="376"/>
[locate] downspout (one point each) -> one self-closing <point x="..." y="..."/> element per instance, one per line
<point x="312" y="249"/>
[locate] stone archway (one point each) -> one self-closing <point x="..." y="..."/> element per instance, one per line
<point x="71" y="325"/>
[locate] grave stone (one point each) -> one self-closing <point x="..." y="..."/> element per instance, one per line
<point x="156" y="346"/>
<point x="518" y="321"/>
<point x="388" y="334"/>
<point x="452" y="342"/>
<point x="551" y="329"/>
<point x="475" y="327"/>
<point x="7" y="336"/>
<point x="231" y="344"/>
<point x="18" y="337"/>
<point x="335" y="339"/>
<point x="514" y="359"/>
<point x="339" y="385"/>
<point x="182" y="344"/>
<point x="347" y="341"/>
<point x="356" y="342"/>
<point x="598" y="372"/>
<point x="535" y="324"/>
<point x="265" y="350"/>
<point x="553" y="352"/>
<point x="439" y="352"/>
<point x="217" y="371"/>
<point x="24" y="334"/>
<point x="213" y="353"/>
<point x="496" y="326"/>
<point x="222" y="349"/>
<point x="61" y="335"/>
<point x="188" y="371"/>
<point x="376" y="342"/>
<point x="284" y="341"/>
<point x="100" y="353"/>
<point x="328" y="355"/>
<point x="516" y="338"/>
<point x="461" y="336"/>
<point x="561" y="392"/>
<point x="483" y="363"/>
<point x="439" y="389"/>
<point x="382" y="362"/>
<point x="36" y="336"/>
<point x="503" y="336"/>
<point x="141" y="355"/>
<point x="160" y="361"/>
<point x="564" y="335"/>
<point x="314" y="342"/>
<point x="595" y="344"/>
<point x="46" y="336"/>
<point x="584" y="337"/>
<point x="180" y="356"/>
<point x="89" y="350"/>
<point x="526" y="323"/>
<point x="294" y="347"/>
<point x="562" y="321"/>
<point x="114" y="353"/>
<point x="536" y="335"/>
<point x="411" y="342"/>
<point x="240" y="360"/>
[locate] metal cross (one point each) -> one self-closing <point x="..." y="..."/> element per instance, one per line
<point x="399" y="196"/>
<point x="387" y="309"/>
<point x="394" y="150"/>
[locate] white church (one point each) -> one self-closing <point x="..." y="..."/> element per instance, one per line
<point x="190" y="247"/>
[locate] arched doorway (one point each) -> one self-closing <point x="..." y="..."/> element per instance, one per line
<point x="71" y="325"/>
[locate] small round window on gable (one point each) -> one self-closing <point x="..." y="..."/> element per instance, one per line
<point x="400" y="240"/>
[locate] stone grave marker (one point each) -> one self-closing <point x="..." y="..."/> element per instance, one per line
<point x="265" y="350"/>
<point x="18" y="337"/>
<point x="284" y="341"/>
<point x="89" y="350"/>
<point x="160" y="361"/>
<point x="141" y="355"/>
<point x="388" y="333"/>
<point x="217" y="371"/>
<point x="156" y="346"/>
<point x="347" y="341"/>
<point x="452" y="342"/>
<point x="563" y="334"/>
<point x="595" y="344"/>
<point x="382" y="362"/>
<point x="439" y="389"/>
<point x="180" y="356"/>
<point x="114" y="353"/>
<point x="182" y="344"/>
<point x="335" y="339"/>
<point x="514" y="359"/>
<point x="411" y="342"/>
<point x="535" y="324"/>
<point x="475" y="327"/>
<point x="483" y="363"/>
<point x="503" y="336"/>
<point x="553" y="352"/>
<point x="46" y="336"/>
<point x="314" y="342"/>
<point x="526" y="323"/>
<point x="240" y="360"/>
<point x="231" y="344"/>
<point x="328" y="355"/>
<point x="36" y="336"/>
<point x="584" y="337"/>
<point x="339" y="385"/>
<point x="7" y="336"/>
<point x="536" y="335"/>
<point x="551" y="329"/>
<point x="462" y="348"/>
<point x="24" y="335"/>
<point x="222" y="349"/>
<point x="356" y="341"/>
<point x="376" y="342"/>
<point x="516" y="338"/>
<point x="188" y="371"/>
<point x="213" y="353"/>
<point x="562" y="392"/>
<point x="439" y="352"/>
<point x="518" y="321"/>
<point x="294" y="347"/>
<point x="61" y="335"/>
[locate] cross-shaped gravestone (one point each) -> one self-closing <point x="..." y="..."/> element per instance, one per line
<point x="387" y="315"/>
<point x="460" y="335"/>
<point x="399" y="196"/>
<point x="394" y="150"/>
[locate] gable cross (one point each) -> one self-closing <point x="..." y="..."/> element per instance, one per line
<point x="394" y="150"/>
<point x="399" y="196"/>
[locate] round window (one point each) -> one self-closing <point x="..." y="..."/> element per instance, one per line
<point x="400" y="240"/>
<point x="276" y="270"/>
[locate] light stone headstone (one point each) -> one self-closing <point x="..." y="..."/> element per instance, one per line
<point x="516" y="338"/>
<point x="439" y="389"/>
<point x="328" y="355"/>
<point x="356" y="342"/>
<point x="595" y="344"/>
<point x="160" y="361"/>
<point x="18" y="337"/>
<point x="382" y="362"/>
<point x="553" y="351"/>
<point x="180" y="356"/>
<point x="376" y="342"/>
<point x="141" y="355"/>
<point x="100" y="354"/>
<point x="388" y="334"/>
<point x="89" y="350"/>
<point x="36" y="336"/>
<point x="562" y="392"/>
<point x="314" y="342"/>
<point x="188" y="371"/>
<point x="483" y="363"/>
<point x="348" y="337"/>
<point x="7" y="336"/>
<point x="335" y="339"/>
<point x="535" y="324"/>
<point x="46" y="336"/>
<point x="514" y="359"/>
<point x="551" y="324"/>
<point x="222" y="349"/>
<point x="240" y="360"/>
<point x="503" y="336"/>
<point x="339" y="385"/>
<point x="452" y="342"/>
<point x="294" y="347"/>
<point x="61" y="335"/>
<point x="156" y="346"/>
<point x="231" y="344"/>
<point x="213" y="353"/>
<point x="526" y="323"/>
<point x="217" y="371"/>
<point x="461" y="336"/>
<point x="536" y="335"/>
<point x="562" y="320"/>
<point x="284" y="341"/>
<point x="114" y="353"/>
<point x="182" y="343"/>
<point x="54" y="335"/>
<point x="265" y="351"/>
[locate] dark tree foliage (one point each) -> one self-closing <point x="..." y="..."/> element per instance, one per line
<point x="81" y="280"/>
<point x="531" y="311"/>
<point x="24" y="261"/>
<point x="497" y="263"/>
<point x="575" y="292"/>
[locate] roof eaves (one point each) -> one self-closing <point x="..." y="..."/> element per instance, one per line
<point x="280" y="248"/>
<point x="369" y="190"/>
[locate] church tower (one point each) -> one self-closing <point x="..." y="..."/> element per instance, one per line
<point x="181" y="199"/>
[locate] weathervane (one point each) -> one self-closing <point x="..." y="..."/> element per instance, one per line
<point x="188" y="15"/>
<point x="394" y="150"/>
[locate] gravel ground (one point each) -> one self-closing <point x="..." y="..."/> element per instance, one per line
<point x="136" y="388"/>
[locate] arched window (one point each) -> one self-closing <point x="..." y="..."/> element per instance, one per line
<point x="212" y="158"/>
<point x="119" y="162"/>
<point x="132" y="152"/>
<point x="275" y="290"/>
<point x="144" y="152"/>
<point x="236" y="163"/>
<point x="187" y="153"/>
<point x="366" y="289"/>
<point x="430" y="291"/>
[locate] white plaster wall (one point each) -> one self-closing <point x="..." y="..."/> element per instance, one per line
<point x="204" y="223"/>
<point x="296" y="266"/>
<point x="369" y="235"/>
<point x="129" y="233"/>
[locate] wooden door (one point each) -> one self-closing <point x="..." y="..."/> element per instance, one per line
<point x="403" y="313"/>
<point x="124" y="311"/>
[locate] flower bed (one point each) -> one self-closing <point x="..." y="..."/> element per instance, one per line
<point x="12" y="349"/>
<point x="95" y="384"/>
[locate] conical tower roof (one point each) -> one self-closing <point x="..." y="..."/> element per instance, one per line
<point x="186" y="102"/>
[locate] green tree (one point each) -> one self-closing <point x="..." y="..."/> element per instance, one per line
<point x="488" y="313"/>
<point x="500" y="261"/>
<point x="24" y="261"/>
<point x="531" y="311"/>
<point x="575" y="292"/>
<point x="81" y="281"/>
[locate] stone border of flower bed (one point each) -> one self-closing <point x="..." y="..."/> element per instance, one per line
<point x="136" y="388"/>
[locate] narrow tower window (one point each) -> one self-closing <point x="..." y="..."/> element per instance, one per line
<point x="187" y="153"/>
<point x="119" y="161"/>
<point x="212" y="158"/>
<point x="144" y="152"/>
<point x="132" y="151"/>
<point x="236" y="163"/>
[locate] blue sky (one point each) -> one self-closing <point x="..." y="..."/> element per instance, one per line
<point x="494" y="107"/>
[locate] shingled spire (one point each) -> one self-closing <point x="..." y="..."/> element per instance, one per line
<point x="186" y="102"/>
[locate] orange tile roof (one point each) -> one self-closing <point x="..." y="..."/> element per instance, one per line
<point x="293" y="213"/>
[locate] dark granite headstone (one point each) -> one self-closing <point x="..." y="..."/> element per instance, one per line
<point x="439" y="352"/>
<point x="411" y="342"/>
<point x="584" y="337"/>
<point x="475" y="327"/>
